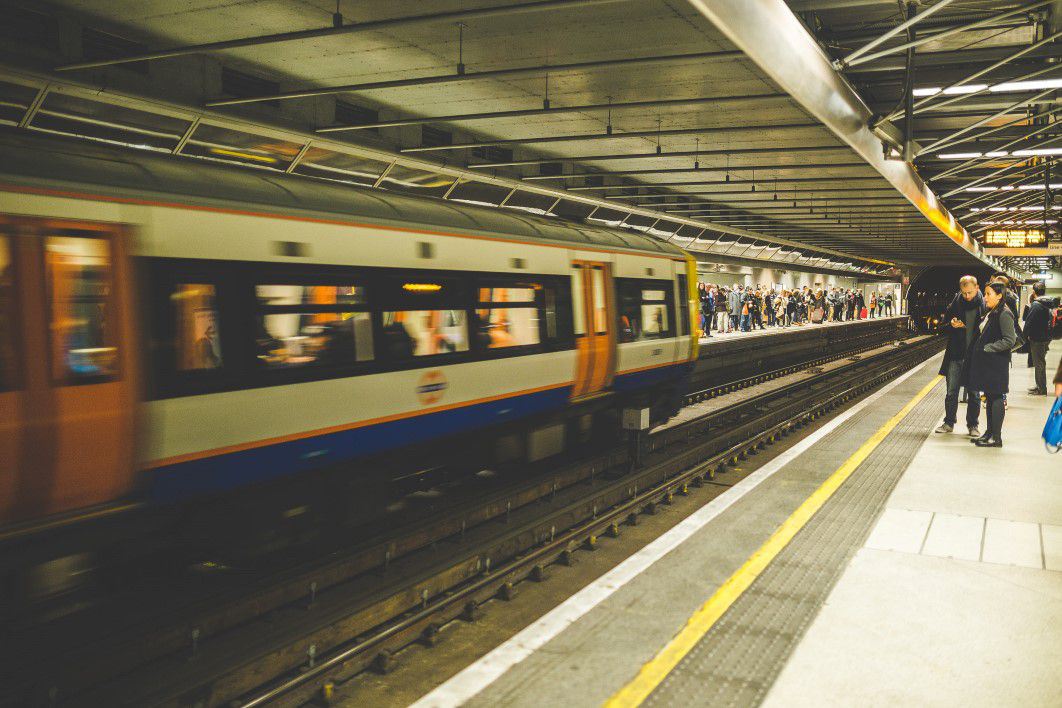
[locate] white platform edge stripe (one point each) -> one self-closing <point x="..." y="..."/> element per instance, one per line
<point x="489" y="668"/>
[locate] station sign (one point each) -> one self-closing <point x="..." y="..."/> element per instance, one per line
<point x="1014" y="238"/>
<point x="1048" y="249"/>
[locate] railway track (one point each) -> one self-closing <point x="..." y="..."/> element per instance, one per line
<point x="287" y="639"/>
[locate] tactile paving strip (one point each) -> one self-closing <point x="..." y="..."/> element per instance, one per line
<point x="736" y="663"/>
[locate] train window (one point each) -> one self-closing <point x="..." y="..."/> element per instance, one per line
<point x="578" y="306"/>
<point x="684" y="307"/>
<point x="415" y="333"/>
<point x="196" y="336"/>
<point x="508" y="316"/>
<point x="502" y="327"/>
<point x="312" y="325"/>
<point x="7" y="317"/>
<point x="643" y="309"/>
<point x="78" y="272"/>
<point x="522" y="294"/>
<point x="654" y="313"/>
<point x="310" y="295"/>
<point x="597" y="280"/>
<point x="551" y="312"/>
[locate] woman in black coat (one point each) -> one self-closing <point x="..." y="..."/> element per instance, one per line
<point x="990" y="366"/>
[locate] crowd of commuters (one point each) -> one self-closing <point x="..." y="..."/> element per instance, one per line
<point x="983" y="334"/>
<point x="746" y="307"/>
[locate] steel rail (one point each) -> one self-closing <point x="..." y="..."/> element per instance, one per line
<point x="948" y="33"/>
<point x="385" y="157"/>
<point x="975" y="161"/>
<point x="610" y="156"/>
<point x="776" y="41"/>
<point x="794" y="180"/>
<point x="976" y="75"/>
<point x="938" y="144"/>
<point x="710" y="130"/>
<point x="995" y="173"/>
<point x="354" y="28"/>
<point x="705" y="169"/>
<point x="493" y="580"/>
<point x="552" y="109"/>
<point x="911" y="22"/>
<point x="478" y="76"/>
<point x="854" y="342"/>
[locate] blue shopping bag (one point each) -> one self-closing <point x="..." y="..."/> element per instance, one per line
<point x="1053" y="429"/>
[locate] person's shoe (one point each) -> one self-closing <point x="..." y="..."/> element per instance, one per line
<point x="973" y="431"/>
<point x="944" y="428"/>
<point x="986" y="436"/>
<point x="988" y="442"/>
<point x="1036" y="392"/>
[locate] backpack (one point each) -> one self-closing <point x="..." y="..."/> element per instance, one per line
<point x="1054" y="323"/>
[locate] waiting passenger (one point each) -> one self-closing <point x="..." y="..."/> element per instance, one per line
<point x="1037" y="335"/>
<point x="735" y="301"/>
<point x="990" y="366"/>
<point x="963" y="315"/>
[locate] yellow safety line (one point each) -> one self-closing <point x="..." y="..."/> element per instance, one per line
<point x="656" y="670"/>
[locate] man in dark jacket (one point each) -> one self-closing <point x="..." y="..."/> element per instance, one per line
<point x="1036" y="333"/>
<point x="962" y="316"/>
<point x="733" y="300"/>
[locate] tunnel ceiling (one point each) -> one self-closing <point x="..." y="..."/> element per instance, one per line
<point x="649" y="106"/>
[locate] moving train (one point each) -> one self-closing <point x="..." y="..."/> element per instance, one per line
<point x="172" y="329"/>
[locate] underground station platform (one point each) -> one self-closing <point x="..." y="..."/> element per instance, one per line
<point x="872" y="563"/>
<point x="530" y="353"/>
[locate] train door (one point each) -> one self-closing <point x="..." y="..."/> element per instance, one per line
<point x="11" y="398"/>
<point x="594" y="319"/>
<point x="77" y="372"/>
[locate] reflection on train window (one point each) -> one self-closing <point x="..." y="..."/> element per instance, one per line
<point x="654" y="313"/>
<point x="310" y="295"/>
<point x="297" y="339"/>
<point x="197" y="335"/>
<point x="312" y="325"/>
<point x="643" y="311"/>
<point x="508" y="316"/>
<point x="549" y="297"/>
<point x="597" y="276"/>
<point x="79" y="285"/>
<point x="413" y="333"/>
<point x="525" y="294"/>
<point x="502" y="327"/>
<point x="7" y="317"/>
<point x="578" y="306"/>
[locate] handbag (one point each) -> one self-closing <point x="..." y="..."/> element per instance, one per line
<point x="1053" y="429"/>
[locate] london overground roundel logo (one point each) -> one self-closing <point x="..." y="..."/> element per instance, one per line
<point x="431" y="387"/>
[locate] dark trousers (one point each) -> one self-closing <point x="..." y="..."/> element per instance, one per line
<point x="996" y="408"/>
<point x="734" y="321"/>
<point x="951" y="398"/>
<point x="1038" y="354"/>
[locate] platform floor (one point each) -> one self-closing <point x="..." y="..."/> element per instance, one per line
<point x="872" y="563"/>
<point x="766" y="331"/>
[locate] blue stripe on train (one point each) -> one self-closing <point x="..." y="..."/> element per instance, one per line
<point x="625" y="383"/>
<point x="186" y="480"/>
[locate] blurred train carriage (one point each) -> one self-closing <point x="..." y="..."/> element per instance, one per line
<point x="172" y="329"/>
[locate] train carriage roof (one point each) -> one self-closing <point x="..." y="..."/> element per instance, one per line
<point x="129" y="173"/>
